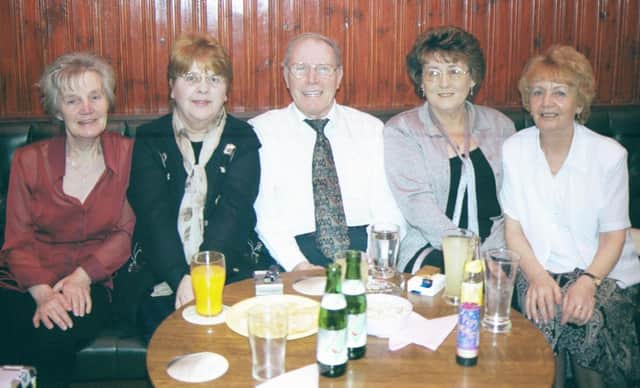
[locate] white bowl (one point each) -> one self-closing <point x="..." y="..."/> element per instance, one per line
<point x="386" y="314"/>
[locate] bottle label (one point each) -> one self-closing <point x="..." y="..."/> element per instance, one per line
<point x="468" y="337"/>
<point x="472" y="293"/>
<point x="332" y="347"/>
<point x="357" y="330"/>
<point x="353" y="287"/>
<point x="333" y="302"/>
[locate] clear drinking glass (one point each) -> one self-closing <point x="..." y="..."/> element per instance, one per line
<point x="207" y="278"/>
<point x="267" y="328"/>
<point x="458" y="247"/>
<point x="384" y="241"/>
<point x="500" y="268"/>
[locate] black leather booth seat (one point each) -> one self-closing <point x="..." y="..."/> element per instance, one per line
<point x="116" y="355"/>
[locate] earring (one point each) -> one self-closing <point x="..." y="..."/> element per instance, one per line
<point x="422" y="91"/>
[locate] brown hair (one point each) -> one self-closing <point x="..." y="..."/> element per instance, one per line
<point x="202" y="48"/>
<point x="66" y="70"/>
<point x="562" y="64"/>
<point x="451" y="44"/>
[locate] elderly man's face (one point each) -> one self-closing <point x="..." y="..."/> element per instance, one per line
<point x="313" y="92"/>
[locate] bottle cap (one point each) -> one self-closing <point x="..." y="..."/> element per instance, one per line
<point x="473" y="266"/>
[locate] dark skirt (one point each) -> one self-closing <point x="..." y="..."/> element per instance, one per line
<point x="608" y="343"/>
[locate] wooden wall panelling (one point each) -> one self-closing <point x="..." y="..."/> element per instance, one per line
<point x="478" y="19"/>
<point x="10" y="60"/>
<point x="375" y="35"/>
<point x="627" y="82"/>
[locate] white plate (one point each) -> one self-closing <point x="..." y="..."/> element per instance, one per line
<point x="198" y="367"/>
<point x="303" y="314"/>
<point x="386" y="314"/>
<point x="190" y="315"/>
<point x="311" y="286"/>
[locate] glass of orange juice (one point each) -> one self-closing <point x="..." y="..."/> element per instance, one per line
<point x="207" y="279"/>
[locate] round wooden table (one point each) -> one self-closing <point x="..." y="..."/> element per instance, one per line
<point x="519" y="358"/>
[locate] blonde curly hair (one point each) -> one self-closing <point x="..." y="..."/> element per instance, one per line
<point x="561" y="64"/>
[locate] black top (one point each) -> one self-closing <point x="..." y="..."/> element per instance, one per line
<point x="197" y="147"/>
<point x="486" y="195"/>
<point x="157" y="186"/>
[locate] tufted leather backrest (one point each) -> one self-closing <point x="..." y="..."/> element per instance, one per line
<point x="621" y="123"/>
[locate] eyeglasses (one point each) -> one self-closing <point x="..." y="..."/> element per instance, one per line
<point x="454" y="74"/>
<point x="195" y="78"/>
<point x="301" y="70"/>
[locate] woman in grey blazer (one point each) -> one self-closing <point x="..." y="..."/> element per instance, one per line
<point x="442" y="158"/>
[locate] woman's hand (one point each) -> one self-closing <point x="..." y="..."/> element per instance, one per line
<point x="184" y="294"/>
<point x="76" y="289"/>
<point x="51" y="308"/>
<point x="542" y="297"/>
<point x="579" y="302"/>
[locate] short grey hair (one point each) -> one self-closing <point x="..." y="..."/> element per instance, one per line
<point x="312" y="36"/>
<point x="65" y="72"/>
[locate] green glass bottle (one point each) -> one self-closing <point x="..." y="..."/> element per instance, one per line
<point x="353" y="290"/>
<point x="331" y="351"/>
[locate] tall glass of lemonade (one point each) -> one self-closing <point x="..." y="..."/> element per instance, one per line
<point x="207" y="279"/>
<point x="458" y="247"/>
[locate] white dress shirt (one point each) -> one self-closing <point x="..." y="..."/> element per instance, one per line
<point x="284" y="207"/>
<point x="563" y="215"/>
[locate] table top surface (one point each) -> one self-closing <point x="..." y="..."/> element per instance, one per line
<point x="519" y="358"/>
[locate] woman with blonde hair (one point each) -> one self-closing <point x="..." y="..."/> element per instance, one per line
<point x="566" y="199"/>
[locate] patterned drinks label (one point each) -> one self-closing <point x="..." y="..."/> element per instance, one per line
<point x="357" y="330"/>
<point x="468" y="338"/>
<point x="332" y="347"/>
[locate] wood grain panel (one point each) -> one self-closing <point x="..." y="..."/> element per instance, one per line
<point x="375" y="36"/>
<point x="629" y="57"/>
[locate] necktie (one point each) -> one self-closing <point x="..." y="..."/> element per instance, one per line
<point x="331" y="225"/>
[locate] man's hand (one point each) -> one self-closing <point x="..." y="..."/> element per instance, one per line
<point x="76" y="289"/>
<point x="51" y="308"/>
<point x="184" y="293"/>
<point x="305" y="266"/>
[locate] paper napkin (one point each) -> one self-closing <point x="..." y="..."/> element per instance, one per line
<point x="429" y="333"/>
<point x="307" y="376"/>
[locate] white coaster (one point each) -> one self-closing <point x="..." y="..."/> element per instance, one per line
<point x="198" y="367"/>
<point x="311" y="286"/>
<point x="190" y="315"/>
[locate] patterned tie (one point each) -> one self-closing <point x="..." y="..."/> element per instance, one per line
<point x="331" y="226"/>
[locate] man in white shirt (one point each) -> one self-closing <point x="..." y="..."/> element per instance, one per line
<point x="285" y="205"/>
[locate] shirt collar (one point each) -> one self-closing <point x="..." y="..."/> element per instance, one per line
<point x="478" y="122"/>
<point x="301" y="116"/>
<point x="57" y="155"/>
<point x="578" y="158"/>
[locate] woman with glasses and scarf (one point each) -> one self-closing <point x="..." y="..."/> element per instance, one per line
<point x="194" y="179"/>
<point x="443" y="158"/>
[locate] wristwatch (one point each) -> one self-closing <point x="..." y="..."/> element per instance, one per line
<point x="596" y="280"/>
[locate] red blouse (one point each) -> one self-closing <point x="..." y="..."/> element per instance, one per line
<point x="48" y="233"/>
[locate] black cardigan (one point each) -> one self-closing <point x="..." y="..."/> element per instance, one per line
<point x="157" y="186"/>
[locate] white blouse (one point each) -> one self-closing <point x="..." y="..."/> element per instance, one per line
<point x="563" y="215"/>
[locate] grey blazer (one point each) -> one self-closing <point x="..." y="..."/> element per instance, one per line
<point x="417" y="168"/>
